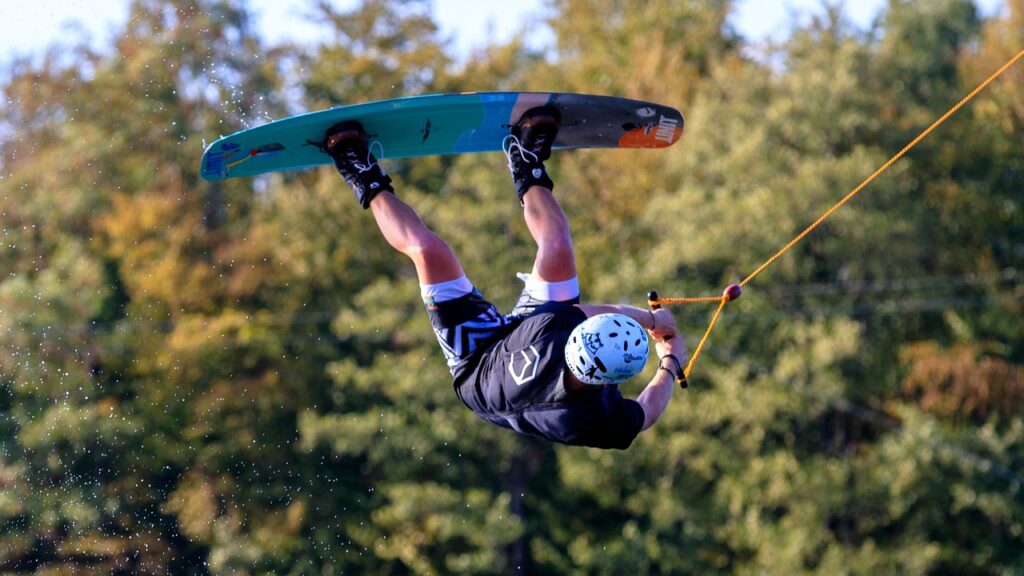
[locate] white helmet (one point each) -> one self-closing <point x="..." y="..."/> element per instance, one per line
<point x="606" y="349"/>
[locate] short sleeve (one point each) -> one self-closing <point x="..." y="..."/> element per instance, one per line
<point x="604" y="421"/>
<point x="628" y="416"/>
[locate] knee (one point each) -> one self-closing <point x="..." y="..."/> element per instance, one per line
<point x="557" y="240"/>
<point x="558" y="248"/>
<point x="427" y="247"/>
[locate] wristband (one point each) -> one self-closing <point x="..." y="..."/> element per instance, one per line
<point x="678" y="374"/>
<point x="679" y="366"/>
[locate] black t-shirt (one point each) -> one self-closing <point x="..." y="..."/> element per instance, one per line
<point x="518" y="382"/>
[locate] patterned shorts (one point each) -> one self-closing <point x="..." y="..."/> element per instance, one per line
<point x="463" y="320"/>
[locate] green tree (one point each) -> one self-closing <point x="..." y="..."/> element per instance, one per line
<point x="238" y="377"/>
<point x="118" y="248"/>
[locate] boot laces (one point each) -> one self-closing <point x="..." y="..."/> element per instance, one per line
<point x="511" y="145"/>
<point x="352" y="158"/>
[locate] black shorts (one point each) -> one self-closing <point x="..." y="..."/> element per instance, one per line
<point x="465" y="323"/>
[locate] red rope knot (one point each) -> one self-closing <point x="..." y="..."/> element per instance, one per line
<point x="732" y="292"/>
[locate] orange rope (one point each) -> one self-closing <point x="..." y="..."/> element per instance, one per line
<point x="729" y="295"/>
<point x="700" y="346"/>
<point x="884" y="167"/>
<point x="697" y="300"/>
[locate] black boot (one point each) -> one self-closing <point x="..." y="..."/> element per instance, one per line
<point x="345" y="142"/>
<point x="529" y="145"/>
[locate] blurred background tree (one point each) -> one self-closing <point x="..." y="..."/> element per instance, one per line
<point x="238" y="378"/>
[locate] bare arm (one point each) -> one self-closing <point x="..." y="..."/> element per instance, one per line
<point x="660" y="322"/>
<point x="654" y="399"/>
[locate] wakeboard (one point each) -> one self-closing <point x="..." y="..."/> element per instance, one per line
<point x="442" y="124"/>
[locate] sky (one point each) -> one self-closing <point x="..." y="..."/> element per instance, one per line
<point x="28" y="26"/>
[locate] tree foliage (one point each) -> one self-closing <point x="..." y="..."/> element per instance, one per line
<point x="238" y="378"/>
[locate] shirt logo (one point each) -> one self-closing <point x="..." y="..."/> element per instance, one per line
<point x="522" y="365"/>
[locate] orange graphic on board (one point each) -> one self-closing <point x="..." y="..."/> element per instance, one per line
<point x="651" y="135"/>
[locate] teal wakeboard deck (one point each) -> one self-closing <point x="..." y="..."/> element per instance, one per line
<point x="442" y="124"/>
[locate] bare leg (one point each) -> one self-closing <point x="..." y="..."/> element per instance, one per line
<point x="405" y="231"/>
<point x="555" y="260"/>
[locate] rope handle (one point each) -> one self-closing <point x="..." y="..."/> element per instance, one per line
<point x="655" y="304"/>
<point x="731" y="293"/>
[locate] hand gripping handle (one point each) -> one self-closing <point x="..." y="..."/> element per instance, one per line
<point x="652" y="301"/>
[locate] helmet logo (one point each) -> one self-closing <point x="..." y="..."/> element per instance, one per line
<point x="522" y="365"/>
<point x="629" y="358"/>
<point x="592" y="342"/>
